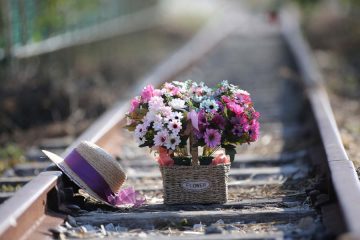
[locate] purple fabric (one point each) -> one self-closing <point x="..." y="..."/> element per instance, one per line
<point x="97" y="183"/>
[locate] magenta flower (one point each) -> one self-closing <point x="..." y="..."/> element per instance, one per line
<point x="212" y="138"/>
<point x="135" y="102"/>
<point x="235" y="108"/>
<point x="147" y="93"/>
<point x="254" y="131"/>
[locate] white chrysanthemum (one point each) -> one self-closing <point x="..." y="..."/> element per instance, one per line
<point x="156" y="103"/>
<point x="174" y="126"/>
<point x="177" y="116"/>
<point x="140" y="140"/>
<point x="166" y="111"/>
<point x="140" y="130"/>
<point x="161" y="138"/>
<point x="177" y="104"/>
<point x="240" y="91"/>
<point x="173" y="141"/>
<point x="158" y="125"/>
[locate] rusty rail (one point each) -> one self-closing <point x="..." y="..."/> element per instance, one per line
<point x="343" y="174"/>
<point x="29" y="204"/>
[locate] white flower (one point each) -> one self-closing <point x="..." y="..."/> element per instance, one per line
<point x="240" y="91"/>
<point x="140" y="130"/>
<point x="161" y="138"/>
<point x="158" y="125"/>
<point x="177" y="104"/>
<point x="165" y="111"/>
<point x="173" y="141"/>
<point x="140" y="140"/>
<point x="176" y="116"/>
<point x="197" y="98"/>
<point x="175" y="126"/>
<point x="156" y="103"/>
<point x="209" y="105"/>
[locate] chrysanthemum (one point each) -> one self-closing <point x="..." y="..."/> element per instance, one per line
<point x="174" y="126"/>
<point x="161" y="138"/>
<point x="140" y="140"/>
<point x="156" y="103"/>
<point x="140" y="130"/>
<point x="212" y="138"/>
<point x="173" y="141"/>
<point x="177" y="104"/>
<point x="209" y="105"/>
<point x="158" y="125"/>
<point x="176" y="116"/>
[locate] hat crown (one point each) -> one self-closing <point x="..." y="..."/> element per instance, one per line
<point x="103" y="163"/>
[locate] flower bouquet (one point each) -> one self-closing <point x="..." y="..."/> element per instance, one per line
<point x="181" y="120"/>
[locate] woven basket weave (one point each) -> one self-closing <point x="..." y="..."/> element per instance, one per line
<point x="202" y="184"/>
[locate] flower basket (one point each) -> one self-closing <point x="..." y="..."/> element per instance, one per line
<point x="197" y="184"/>
<point x="181" y="117"/>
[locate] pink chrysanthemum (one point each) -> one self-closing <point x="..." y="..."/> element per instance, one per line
<point x="212" y="138"/>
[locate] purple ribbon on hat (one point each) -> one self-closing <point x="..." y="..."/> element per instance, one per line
<point x="96" y="182"/>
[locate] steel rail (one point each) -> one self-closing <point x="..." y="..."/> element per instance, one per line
<point x="29" y="205"/>
<point x="343" y="174"/>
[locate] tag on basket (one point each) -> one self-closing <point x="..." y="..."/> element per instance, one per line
<point x="196" y="185"/>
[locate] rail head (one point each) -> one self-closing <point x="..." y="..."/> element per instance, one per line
<point x="28" y="205"/>
<point x="342" y="171"/>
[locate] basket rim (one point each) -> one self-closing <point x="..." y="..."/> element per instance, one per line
<point x="222" y="165"/>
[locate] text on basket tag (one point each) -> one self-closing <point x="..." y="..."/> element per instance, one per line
<point x="198" y="185"/>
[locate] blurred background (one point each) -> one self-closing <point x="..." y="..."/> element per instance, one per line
<point x="64" y="62"/>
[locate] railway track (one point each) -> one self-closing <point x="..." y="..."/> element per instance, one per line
<point x="288" y="185"/>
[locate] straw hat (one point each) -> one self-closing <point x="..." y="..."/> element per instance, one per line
<point x="92" y="169"/>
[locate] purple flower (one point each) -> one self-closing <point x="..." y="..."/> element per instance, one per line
<point x="212" y="138"/>
<point x="202" y="119"/>
<point x="237" y="130"/>
<point x="218" y="120"/>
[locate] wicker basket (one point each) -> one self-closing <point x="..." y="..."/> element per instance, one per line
<point x="202" y="184"/>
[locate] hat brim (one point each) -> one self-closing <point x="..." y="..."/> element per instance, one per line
<point x="59" y="161"/>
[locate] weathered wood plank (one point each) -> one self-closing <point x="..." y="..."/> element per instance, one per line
<point x="285" y="170"/>
<point x="233" y="236"/>
<point x="14" y="181"/>
<point x="289" y="201"/>
<point x="151" y="219"/>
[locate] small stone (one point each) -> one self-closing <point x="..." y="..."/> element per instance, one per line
<point x="120" y="229"/>
<point x="73" y="207"/>
<point x="110" y="227"/>
<point x="71" y="220"/>
<point x="220" y="221"/>
<point x="67" y="225"/>
<point x="231" y="228"/>
<point x="306" y="223"/>
<point x="142" y="235"/>
<point x="213" y="229"/>
<point x="58" y="230"/>
<point x="103" y="230"/>
<point x="198" y="227"/>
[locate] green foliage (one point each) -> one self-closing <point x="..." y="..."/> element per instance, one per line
<point x="10" y="155"/>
